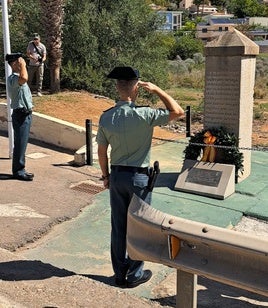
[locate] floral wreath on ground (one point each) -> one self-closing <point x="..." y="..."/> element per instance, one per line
<point x="204" y="139"/>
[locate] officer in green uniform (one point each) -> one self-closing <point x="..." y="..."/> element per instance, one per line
<point x="128" y="130"/>
<point x="21" y="103"/>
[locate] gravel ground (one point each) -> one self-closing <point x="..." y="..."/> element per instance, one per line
<point x="253" y="226"/>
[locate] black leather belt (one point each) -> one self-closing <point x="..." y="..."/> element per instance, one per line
<point x="143" y="170"/>
<point x="23" y="111"/>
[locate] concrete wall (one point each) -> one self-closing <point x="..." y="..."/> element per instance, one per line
<point x="263" y="21"/>
<point x="51" y="130"/>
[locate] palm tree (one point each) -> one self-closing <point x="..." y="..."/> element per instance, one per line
<point x="52" y="21"/>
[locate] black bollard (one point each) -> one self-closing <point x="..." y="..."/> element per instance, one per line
<point x="188" y="121"/>
<point x="89" y="147"/>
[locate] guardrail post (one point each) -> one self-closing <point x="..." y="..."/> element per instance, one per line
<point x="89" y="146"/>
<point x="186" y="290"/>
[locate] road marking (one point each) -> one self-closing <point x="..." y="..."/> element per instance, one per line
<point x="18" y="210"/>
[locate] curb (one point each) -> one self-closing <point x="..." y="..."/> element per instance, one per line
<point x="56" y="132"/>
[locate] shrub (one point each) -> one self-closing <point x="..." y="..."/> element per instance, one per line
<point x="187" y="46"/>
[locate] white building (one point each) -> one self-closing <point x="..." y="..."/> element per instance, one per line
<point x="185" y="4"/>
<point x="263" y="21"/>
<point x="173" y="20"/>
<point x="213" y="27"/>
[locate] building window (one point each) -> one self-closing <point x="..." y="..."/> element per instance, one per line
<point x="220" y="29"/>
<point x="204" y="30"/>
<point x="226" y="28"/>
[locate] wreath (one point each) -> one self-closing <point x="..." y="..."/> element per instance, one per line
<point x="227" y="151"/>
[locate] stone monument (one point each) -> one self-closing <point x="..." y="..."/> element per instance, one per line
<point x="229" y="88"/>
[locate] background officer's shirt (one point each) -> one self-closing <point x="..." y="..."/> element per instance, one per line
<point x="129" y="130"/>
<point x="42" y="50"/>
<point x="20" y="95"/>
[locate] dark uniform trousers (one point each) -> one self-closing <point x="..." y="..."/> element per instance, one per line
<point x="124" y="181"/>
<point x="21" y="121"/>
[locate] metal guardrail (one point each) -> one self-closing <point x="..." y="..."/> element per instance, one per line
<point x="195" y="248"/>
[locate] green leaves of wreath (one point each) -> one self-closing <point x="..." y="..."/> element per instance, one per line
<point x="230" y="155"/>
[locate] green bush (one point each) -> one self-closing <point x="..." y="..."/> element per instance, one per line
<point x="261" y="77"/>
<point x="186" y="46"/>
<point x="198" y="58"/>
<point x="189" y="79"/>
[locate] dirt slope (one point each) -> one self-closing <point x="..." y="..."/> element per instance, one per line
<point x="76" y="107"/>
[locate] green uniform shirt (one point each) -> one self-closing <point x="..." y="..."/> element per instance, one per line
<point x="129" y="130"/>
<point x="20" y="95"/>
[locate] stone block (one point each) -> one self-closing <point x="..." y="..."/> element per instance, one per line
<point x="208" y="179"/>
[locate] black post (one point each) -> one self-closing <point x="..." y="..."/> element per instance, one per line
<point x="89" y="147"/>
<point x="188" y="121"/>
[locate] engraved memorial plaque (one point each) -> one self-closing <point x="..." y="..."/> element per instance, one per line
<point x="204" y="177"/>
<point x="207" y="179"/>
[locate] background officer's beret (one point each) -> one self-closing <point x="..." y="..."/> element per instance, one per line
<point x="124" y="73"/>
<point x="13" y="56"/>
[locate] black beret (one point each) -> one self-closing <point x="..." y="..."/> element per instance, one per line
<point x="124" y="73"/>
<point x="13" y="56"/>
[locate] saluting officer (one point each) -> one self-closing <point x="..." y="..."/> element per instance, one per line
<point x="128" y="129"/>
<point x="21" y="103"/>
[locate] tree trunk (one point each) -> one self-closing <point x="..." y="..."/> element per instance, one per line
<point x="52" y="20"/>
<point x="55" y="79"/>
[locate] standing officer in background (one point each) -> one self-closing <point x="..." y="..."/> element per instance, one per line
<point x="128" y="129"/>
<point x="37" y="53"/>
<point x="21" y="103"/>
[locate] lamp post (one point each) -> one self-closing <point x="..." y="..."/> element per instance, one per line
<point x="6" y="38"/>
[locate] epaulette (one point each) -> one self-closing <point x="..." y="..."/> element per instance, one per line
<point x="142" y="106"/>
